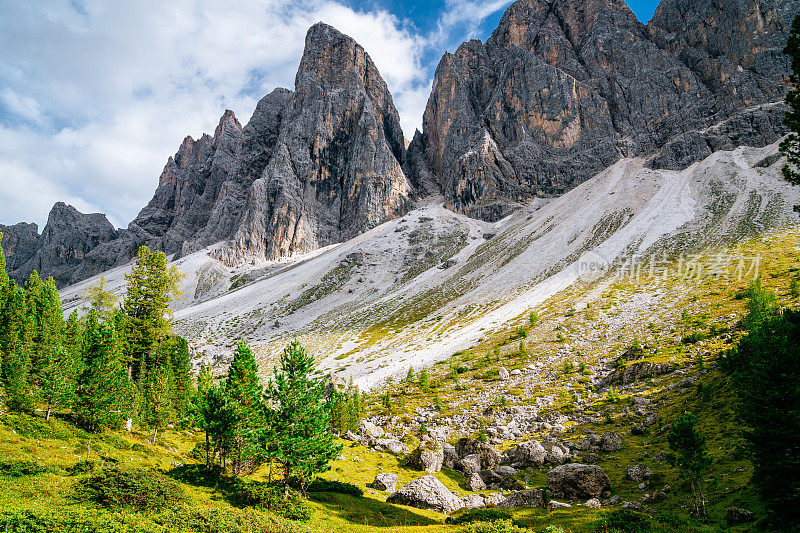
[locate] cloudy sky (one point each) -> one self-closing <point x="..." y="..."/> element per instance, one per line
<point x="96" y="95"/>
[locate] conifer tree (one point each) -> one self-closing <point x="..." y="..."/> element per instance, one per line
<point x="691" y="458"/>
<point x="102" y="394"/>
<point x="158" y="408"/>
<point x="180" y="359"/>
<point x="103" y="301"/>
<point x="14" y="346"/>
<point x="245" y="393"/>
<point x="152" y="286"/>
<point x="301" y="441"/>
<point x="217" y="417"/>
<point x="791" y="144"/>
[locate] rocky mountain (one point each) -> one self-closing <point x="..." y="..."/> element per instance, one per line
<point x="562" y="89"/>
<point x="337" y="164"/>
<point x="559" y="92"/>
<point x="67" y="238"/>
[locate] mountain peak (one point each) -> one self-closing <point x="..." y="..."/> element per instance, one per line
<point x="228" y="119"/>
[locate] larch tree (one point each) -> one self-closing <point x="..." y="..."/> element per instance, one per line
<point x="102" y="300"/>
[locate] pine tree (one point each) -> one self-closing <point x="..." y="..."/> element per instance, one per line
<point x="14" y="346"/>
<point x="103" y="301"/>
<point x="246" y="395"/>
<point x="791" y="144"/>
<point x="217" y="417"/>
<point x="301" y="441"/>
<point x="102" y="393"/>
<point x="152" y="286"/>
<point x="689" y="447"/>
<point x="158" y="407"/>
<point x="180" y="360"/>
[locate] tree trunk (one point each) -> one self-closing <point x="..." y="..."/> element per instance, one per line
<point x="49" y="409"/>
<point x="208" y="452"/>
<point x="155" y="434"/>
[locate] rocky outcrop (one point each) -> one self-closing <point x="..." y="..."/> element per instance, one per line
<point x="66" y="239"/>
<point x="336" y="169"/>
<point x="562" y="89"/>
<point x="20" y="243"/>
<point x="384" y="481"/>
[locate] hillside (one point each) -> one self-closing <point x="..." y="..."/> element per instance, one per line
<point x="415" y="290"/>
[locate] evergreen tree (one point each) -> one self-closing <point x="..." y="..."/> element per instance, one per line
<point x="765" y="367"/>
<point x="102" y="392"/>
<point x="14" y="346"/>
<point x="791" y="144"/>
<point x="180" y="361"/>
<point x="152" y="286"/>
<point x="217" y="417"/>
<point x="246" y="396"/>
<point x="301" y="441"/>
<point x="689" y="447"/>
<point x="103" y="301"/>
<point x="158" y="405"/>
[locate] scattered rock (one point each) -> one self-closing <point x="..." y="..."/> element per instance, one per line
<point x="525" y="498"/>
<point x="552" y="504"/>
<point x="475" y="482"/>
<point x="503" y="374"/>
<point x="611" y="442"/>
<point x="426" y="457"/>
<point x="530" y="453"/>
<point x="592" y="503"/>
<point x="385" y="481"/>
<point x="738" y="515"/>
<point x="470" y="464"/>
<point x="576" y="480"/>
<point x="638" y="473"/>
<point x="426" y="492"/>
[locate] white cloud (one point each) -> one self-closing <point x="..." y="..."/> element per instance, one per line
<point x="94" y="96"/>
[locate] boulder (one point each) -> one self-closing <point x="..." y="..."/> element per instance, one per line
<point x="450" y="455"/>
<point x="385" y="481"/>
<point x="503" y="374"/>
<point x="426" y="492"/>
<point x="525" y="498"/>
<point x="475" y="482"/>
<point x="489" y="456"/>
<point x="592" y="503"/>
<point x="737" y="515"/>
<point x="428" y="457"/>
<point x="370" y="431"/>
<point x="611" y="442"/>
<point x="473" y="501"/>
<point x="552" y="504"/>
<point x="638" y="473"/>
<point x="578" y="481"/>
<point x="470" y="464"/>
<point x="530" y="453"/>
<point x="392" y="445"/>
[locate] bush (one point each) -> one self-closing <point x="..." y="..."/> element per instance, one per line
<point x="321" y="485"/>
<point x="479" y="515"/>
<point x="141" y="489"/>
<point x="627" y="521"/>
<point x="20" y="468"/>
<point x="81" y="467"/>
<point x="498" y="526"/>
<point x="272" y="498"/>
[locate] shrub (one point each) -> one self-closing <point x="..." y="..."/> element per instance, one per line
<point x="479" y="515"/>
<point x="81" y="467"/>
<point x="627" y="521"/>
<point x="498" y="526"/>
<point x="20" y="468"/>
<point x="271" y="497"/>
<point x="322" y="485"/>
<point x="138" y="488"/>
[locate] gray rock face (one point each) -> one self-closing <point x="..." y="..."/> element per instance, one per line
<point x="20" y="243"/>
<point x="577" y="481"/>
<point x="611" y="442"/>
<point x="426" y="492"/>
<point x="426" y="458"/>
<point x="336" y="170"/>
<point x="66" y="239"/>
<point x="563" y="88"/>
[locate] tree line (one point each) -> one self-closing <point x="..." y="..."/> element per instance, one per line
<point x="123" y="362"/>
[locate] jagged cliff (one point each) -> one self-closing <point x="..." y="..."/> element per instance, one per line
<point x="562" y="89"/>
<point x="337" y="167"/>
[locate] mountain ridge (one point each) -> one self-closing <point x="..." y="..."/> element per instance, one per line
<point x="558" y="92"/>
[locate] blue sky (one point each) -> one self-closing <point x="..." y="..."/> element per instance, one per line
<point x="95" y="95"/>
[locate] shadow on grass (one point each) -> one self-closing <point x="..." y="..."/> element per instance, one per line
<point x="367" y="511"/>
<point x="455" y="477"/>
